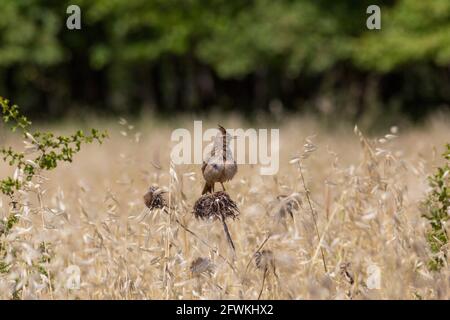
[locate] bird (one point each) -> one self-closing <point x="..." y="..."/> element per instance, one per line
<point x="220" y="165"/>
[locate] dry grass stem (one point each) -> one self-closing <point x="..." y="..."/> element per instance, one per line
<point x="84" y="231"/>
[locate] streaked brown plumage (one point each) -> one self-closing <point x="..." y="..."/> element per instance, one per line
<point x="220" y="166"/>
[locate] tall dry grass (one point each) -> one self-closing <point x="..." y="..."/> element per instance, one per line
<point x="364" y="196"/>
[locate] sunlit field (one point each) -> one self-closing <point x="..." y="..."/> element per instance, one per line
<point x="350" y="229"/>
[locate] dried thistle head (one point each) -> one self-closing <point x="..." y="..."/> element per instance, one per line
<point x="154" y="199"/>
<point x="217" y="205"/>
<point x="288" y="205"/>
<point x="201" y="265"/>
<point x="264" y="260"/>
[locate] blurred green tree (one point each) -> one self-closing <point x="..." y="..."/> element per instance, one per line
<point x="191" y="54"/>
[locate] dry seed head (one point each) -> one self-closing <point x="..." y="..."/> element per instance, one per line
<point x="217" y="205"/>
<point x="345" y="272"/>
<point x="264" y="259"/>
<point x="202" y="265"/>
<point x="288" y="205"/>
<point x="154" y="199"/>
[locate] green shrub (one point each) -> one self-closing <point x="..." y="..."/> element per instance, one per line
<point x="436" y="211"/>
<point x="46" y="148"/>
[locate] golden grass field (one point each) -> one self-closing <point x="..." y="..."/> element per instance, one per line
<point x="365" y="193"/>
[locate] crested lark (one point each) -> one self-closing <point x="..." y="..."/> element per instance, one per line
<point x="220" y="165"/>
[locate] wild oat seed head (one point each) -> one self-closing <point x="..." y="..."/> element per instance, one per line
<point x="288" y="205"/>
<point x="217" y="205"/>
<point x="201" y="265"/>
<point x="264" y="259"/>
<point x="154" y="199"/>
<point x="344" y="269"/>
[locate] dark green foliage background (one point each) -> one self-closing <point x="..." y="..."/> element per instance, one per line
<point x="195" y="55"/>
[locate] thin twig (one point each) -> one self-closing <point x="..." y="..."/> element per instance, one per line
<point x="227" y="233"/>
<point x="257" y="250"/>
<point x="262" y="286"/>
<point x="314" y="217"/>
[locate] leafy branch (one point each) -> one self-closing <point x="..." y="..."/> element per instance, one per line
<point x="436" y="211"/>
<point x="48" y="149"/>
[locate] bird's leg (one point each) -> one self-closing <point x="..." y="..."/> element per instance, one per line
<point x="206" y="188"/>
<point x="223" y="187"/>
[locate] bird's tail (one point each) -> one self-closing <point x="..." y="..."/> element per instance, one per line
<point x="207" y="188"/>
